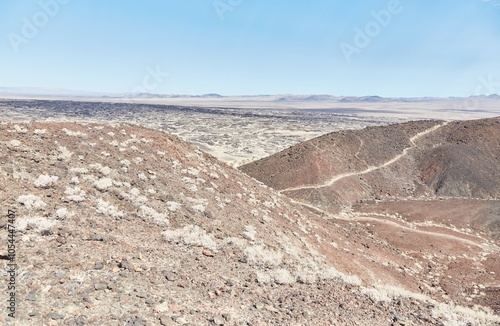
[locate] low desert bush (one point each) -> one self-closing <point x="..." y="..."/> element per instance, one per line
<point x="191" y="235"/>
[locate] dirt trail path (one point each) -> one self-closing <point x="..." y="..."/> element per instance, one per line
<point x="371" y="168"/>
<point x="366" y="217"/>
<point x="418" y="231"/>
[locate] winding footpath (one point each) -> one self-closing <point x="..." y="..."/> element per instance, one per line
<point x="371" y="168"/>
<point x="409" y="227"/>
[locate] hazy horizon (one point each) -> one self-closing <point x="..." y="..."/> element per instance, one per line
<point x="54" y="91"/>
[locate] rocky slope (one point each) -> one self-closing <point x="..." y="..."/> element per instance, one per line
<point x="121" y="225"/>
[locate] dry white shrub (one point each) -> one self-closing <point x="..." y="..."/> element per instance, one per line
<point x="463" y="316"/>
<point x="278" y="276"/>
<point x="282" y="276"/>
<point x="252" y="200"/>
<point x="450" y="314"/>
<point x="173" y="206"/>
<point x="199" y="204"/>
<point x="191" y="235"/>
<point x="103" y="184"/>
<point x="331" y="273"/>
<point x="176" y="164"/>
<point x="260" y="256"/>
<point x="266" y="218"/>
<point x="268" y="204"/>
<point x="187" y="180"/>
<point x="105" y="208"/>
<point x="105" y="170"/>
<point x="238" y="242"/>
<point x="63" y="213"/>
<point x="160" y="218"/>
<point x="250" y="232"/>
<point x="13" y="144"/>
<point x="64" y="153"/>
<point x="31" y="201"/>
<point x="193" y="171"/>
<point x="306" y="274"/>
<point x="388" y="292"/>
<point x="20" y="129"/>
<point x="200" y="208"/>
<point x="37" y="222"/>
<point x="45" y="181"/>
<point x="74" y="133"/>
<point x="263" y="277"/>
<point x="75" y="194"/>
<point x="135" y="192"/>
<point x="136" y="197"/>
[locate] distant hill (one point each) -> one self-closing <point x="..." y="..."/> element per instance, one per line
<point x="426" y="158"/>
<point x="404" y="182"/>
<point x="351" y="99"/>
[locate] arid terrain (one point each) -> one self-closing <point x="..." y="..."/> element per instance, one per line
<point x="233" y="135"/>
<point x="250" y="163"/>
<point x="122" y="225"/>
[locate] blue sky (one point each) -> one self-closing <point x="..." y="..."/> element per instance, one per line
<point x="243" y="47"/>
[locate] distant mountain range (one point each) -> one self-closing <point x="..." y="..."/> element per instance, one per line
<point x="60" y="92"/>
